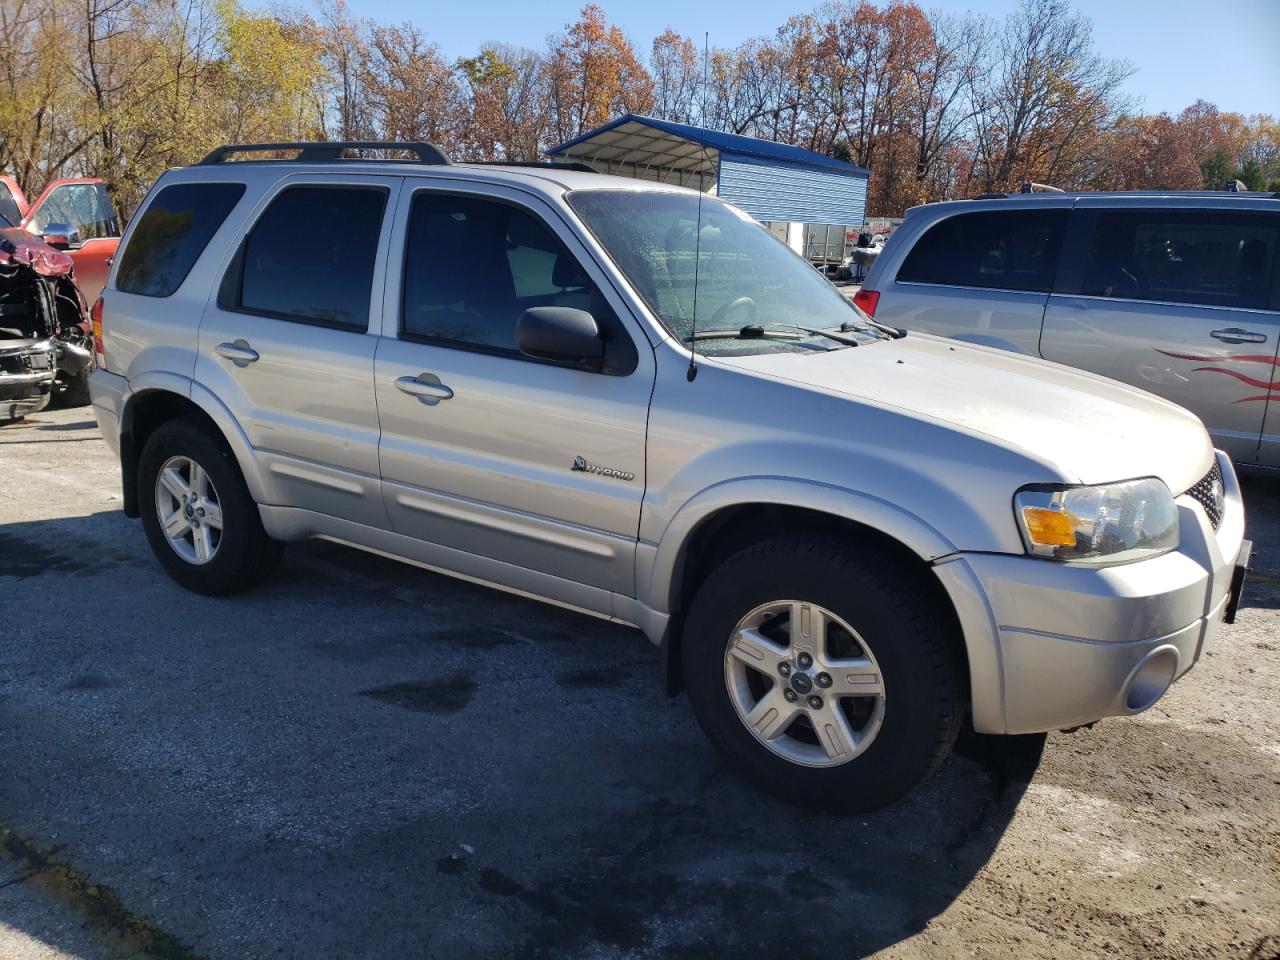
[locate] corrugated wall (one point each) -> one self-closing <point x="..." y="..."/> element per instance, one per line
<point x="777" y="191"/>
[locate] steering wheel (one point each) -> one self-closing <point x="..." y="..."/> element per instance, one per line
<point x="730" y="307"/>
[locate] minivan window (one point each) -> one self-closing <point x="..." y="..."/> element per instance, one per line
<point x="1207" y="257"/>
<point x="310" y="256"/>
<point x="472" y="266"/>
<point x="997" y="249"/>
<point x="171" y="234"/>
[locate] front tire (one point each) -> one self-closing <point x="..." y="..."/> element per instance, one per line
<point x="201" y="522"/>
<point x="822" y="674"/>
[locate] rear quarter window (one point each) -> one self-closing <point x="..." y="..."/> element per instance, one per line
<point x="171" y="234"/>
<point x="996" y="249"/>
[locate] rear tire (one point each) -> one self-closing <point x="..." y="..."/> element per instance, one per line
<point x="201" y="475"/>
<point x="76" y="393"/>
<point x="881" y="700"/>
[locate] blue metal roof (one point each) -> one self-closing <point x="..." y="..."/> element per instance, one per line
<point x="731" y="143"/>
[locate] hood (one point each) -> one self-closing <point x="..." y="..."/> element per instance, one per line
<point x="1087" y="428"/>
<point x="21" y="248"/>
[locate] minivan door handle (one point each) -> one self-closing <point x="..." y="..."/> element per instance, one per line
<point x="426" y="387"/>
<point x="1237" y="335"/>
<point x="239" y="352"/>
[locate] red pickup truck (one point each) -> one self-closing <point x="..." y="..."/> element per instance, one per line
<point x="74" y="215"/>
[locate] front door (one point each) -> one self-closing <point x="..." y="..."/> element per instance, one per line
<point x="288" y="343"/>
<point x="488" y="452"/>
<point x="1177" y="302"/>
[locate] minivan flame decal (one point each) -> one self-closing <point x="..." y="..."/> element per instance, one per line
<point x="1271" y="386"/>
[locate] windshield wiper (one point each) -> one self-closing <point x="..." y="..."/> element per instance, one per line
<point x="750" y="332"/>
<point x="753" y="331"/>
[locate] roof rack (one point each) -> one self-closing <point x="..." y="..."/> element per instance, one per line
<point x="1030" y="187"/>
<point x="321" y="151"/>
<point x="545" y="164"/>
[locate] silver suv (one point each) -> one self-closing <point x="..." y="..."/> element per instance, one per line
<point x="1178" y="294"/>
<point x="631" y="400"/>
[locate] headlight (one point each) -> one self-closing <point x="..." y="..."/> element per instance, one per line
<point x="1111" y="523"/>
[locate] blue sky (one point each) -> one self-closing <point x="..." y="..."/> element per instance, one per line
<point x="1225" y="51"/>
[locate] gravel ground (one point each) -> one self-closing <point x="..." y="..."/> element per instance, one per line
<point x="361" y="759"/>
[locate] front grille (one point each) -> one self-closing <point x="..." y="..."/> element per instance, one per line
<point x="1203" y="494"/>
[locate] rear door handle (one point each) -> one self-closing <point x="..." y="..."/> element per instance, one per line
<point x="426" y="387"/>
<point x="1237" y="335"/>
<point x="239" y="352"/>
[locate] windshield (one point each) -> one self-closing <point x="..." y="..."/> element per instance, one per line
<point x="745" y="277"/>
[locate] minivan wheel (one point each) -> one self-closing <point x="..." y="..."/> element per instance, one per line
<point x="200" y="520"/>
<point x="822" y="674"/>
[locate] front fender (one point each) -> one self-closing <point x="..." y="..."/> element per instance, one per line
<point x="658" y="565"/>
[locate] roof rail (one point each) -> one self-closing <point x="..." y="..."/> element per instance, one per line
<point x="544" y="164"/>
<point x="1040" y="188"/>
<point x="320" y="151"/>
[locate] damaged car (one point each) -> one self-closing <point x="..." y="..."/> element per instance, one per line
<point x="46" y="348"/>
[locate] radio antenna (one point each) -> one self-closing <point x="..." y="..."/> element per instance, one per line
<point x="697" y="236"/>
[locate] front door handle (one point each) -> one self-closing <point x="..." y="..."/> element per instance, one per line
<point x="1237" y="335"/>
<point x="426" y="387"/>
<point x="239" y="353"/>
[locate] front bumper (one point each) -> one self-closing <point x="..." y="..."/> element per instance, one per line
<point x="1055" y="645"/>
<point x="27" y="372"/>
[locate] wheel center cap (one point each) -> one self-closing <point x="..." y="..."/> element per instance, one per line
<point x="801" y="682"/>
<point x="187" y="511"/>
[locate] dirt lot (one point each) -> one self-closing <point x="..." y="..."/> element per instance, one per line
<point x="365" y="760"/>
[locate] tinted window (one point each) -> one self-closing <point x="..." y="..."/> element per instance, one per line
<point x="85" y="206"/>
<point x="171" y="234"/>
<point x="310" y="256"/>
<point x="9" y="213"/>
<point x="1002" y="249"/>
<point x="473" y="266"/>
<point x="1213" y="258"/>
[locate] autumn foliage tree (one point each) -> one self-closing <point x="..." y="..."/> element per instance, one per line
<point x="936" y="106"/>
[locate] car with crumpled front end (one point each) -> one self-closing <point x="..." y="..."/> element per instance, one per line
<point x="44" y="329"/>
<point x="631" y="400"/>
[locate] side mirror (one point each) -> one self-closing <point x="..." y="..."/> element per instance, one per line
<point x="60" y="235"/>
<point x="562" y="334"/>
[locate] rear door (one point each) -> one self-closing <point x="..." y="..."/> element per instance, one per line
<point x="983" y="275"/>
<point x="497" y="461"/>
<point x="1177" y="299"/>
<point x="288" y="341"/>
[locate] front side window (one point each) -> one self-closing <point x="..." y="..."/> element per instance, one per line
<point x="710" y="263"/>
<point x="84" y="206"/>
<point x="171" y="234"/>
<point x="473" y="265"/>
<point x="1213" y="258"/>
<point x="994" y="249"/>
<point x="310" y="257"/>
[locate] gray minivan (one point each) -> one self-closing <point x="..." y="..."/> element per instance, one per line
<point x="1173" y="293"/>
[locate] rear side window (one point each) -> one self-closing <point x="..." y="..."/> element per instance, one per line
<point x="171" y="234"/>
<point x="999" y="249"/>
<point x="310" y="257"/>
<point x="1212" y="258"/>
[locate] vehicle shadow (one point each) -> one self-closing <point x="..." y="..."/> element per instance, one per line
<point x="363" y="759"/>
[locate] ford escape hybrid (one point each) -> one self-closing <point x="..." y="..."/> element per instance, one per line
<point x="632" y="401"/>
